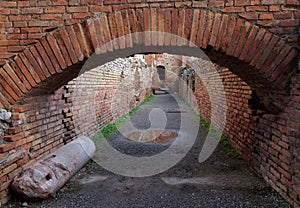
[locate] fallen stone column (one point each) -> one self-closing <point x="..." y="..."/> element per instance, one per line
<point x="49" y="174"/>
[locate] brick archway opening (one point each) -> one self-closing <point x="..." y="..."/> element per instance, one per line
<point x="247" y="50"/>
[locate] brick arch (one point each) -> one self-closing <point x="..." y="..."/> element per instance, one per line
<point x="264" y="60"/>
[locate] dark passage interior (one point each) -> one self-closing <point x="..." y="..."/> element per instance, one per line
<point x="100" y="97"/>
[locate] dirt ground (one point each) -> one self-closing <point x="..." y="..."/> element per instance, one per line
<point x="220" y="181"/>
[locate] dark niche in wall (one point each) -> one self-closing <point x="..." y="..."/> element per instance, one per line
<point x="255" y="104"/>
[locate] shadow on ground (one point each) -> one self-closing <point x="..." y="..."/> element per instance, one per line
<point x="221" y="181"/>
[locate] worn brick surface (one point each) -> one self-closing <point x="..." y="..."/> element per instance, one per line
<point x="41" y="124"/>
<point x="265" y="140"/>
<point x="36" y="48"/>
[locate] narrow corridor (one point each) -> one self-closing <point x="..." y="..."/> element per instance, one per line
<point x="221" y="181"/>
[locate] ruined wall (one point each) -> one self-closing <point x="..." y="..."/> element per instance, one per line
<point x="36" y="129"/>
<point x="41" y="124"/>
<point x="206" y="23"/>
<point x="274" y="146"/>
<point x="100" y="96"/>
<point x="268" y="142"/>
<point x="172" y="65"/>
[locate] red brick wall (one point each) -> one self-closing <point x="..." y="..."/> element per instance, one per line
<point x="267" y="61"/>
<point x="98" y="97"/>
<point x="41" y="124"/>
<point x="257" y="52"/>
<point x="274" y="145"/>
<point x="269" y="142"/>
<point x="36" y="130"/>
<point x="24" y="22"/>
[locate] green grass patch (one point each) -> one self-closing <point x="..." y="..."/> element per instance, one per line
<point x="90" y="165"/>
<point x="112" y="128"/>
<point x="207" y="127"/>
<point x="204" y="123"/>
<point x="228" y="150"/>
<point x="147" y="100"/>
<point x="226" y="147"/>
<point x="107" y="130"/>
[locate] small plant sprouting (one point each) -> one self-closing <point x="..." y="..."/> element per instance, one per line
<point x="112" y="128"/>
<point x="55" y="196"/>
<point x="225" y="144"/>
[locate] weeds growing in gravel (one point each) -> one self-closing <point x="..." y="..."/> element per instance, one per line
<point x="226" y="146"/>
<point x="228" y="150"/>
<point x="111" y="128"/>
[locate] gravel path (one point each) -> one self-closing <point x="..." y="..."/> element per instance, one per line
<point x="221" y="181"/>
